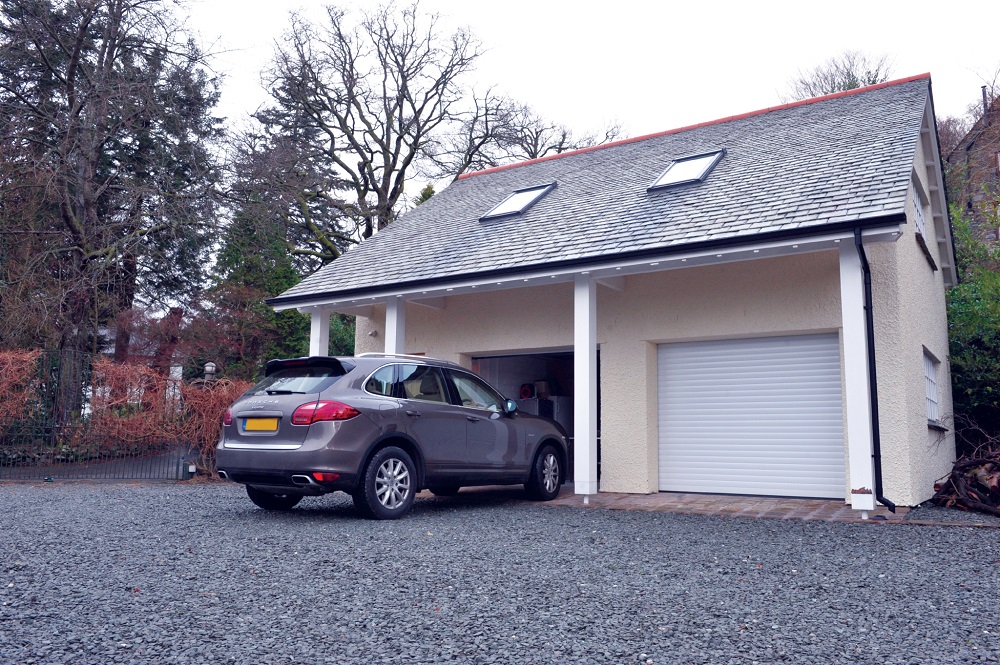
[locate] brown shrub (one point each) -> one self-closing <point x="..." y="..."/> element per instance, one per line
<point x="132" y="404"/>
<point x="205" y="403"/>
<point x="18" y="383"/>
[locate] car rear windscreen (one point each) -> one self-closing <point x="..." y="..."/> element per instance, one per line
<point x="292" y="380"/>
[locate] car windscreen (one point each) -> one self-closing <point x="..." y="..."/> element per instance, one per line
<point x="292" y="380"/>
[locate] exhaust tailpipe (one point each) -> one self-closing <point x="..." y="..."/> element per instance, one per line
<point x="300" y="479"/>
<point x="223" y="475"/>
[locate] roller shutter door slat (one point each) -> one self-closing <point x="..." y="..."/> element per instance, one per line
<point x="752" y="416"/>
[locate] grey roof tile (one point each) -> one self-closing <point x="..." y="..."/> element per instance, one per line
<point x="845" y="158"/>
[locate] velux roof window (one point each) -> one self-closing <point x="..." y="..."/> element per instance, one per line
<point x="688" y="169"/>
<point x="518" y="202"/>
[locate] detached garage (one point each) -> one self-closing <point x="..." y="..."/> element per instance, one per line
<point x="766" y="293"/>
<point x="752" y="416"/>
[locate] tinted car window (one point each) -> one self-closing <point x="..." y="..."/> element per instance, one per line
<point x="422" y="383"/>
<point x="475" y="393"/>
<point x="380" y="383"/>
<point x="297" y="380"/>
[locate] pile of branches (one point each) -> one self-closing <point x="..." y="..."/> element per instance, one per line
<point x="973" y="484"/>
<point x="974" y="481"/>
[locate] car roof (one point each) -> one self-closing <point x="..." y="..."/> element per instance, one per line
<point x="367" y="360"/>
<point x="427" y="360"/>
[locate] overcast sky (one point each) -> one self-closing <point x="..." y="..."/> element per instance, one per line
<point x="652" y="65"/>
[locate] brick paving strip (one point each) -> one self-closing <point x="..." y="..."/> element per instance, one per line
<point x="720" y="505"/>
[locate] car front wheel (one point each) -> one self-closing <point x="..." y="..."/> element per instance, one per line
<point x="388" y="485"/>
<point x="270" y="501"/>
<point x="546" y="475"/>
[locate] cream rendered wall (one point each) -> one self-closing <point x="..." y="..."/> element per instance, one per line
<point x="910" y="315"/>
<point x="788" y="295"/>
<point x="530" y="318"/>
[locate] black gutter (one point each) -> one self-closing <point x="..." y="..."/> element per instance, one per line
<point x="589" y="262"/>
<point x="872" y="376"/>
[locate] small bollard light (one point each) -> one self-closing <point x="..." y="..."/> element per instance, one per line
<point x="210" y="370"/>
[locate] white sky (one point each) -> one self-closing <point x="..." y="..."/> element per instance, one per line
<point x="652" y="65"/>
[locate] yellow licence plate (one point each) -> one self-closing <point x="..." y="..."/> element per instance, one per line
<point x="260" y="425"/>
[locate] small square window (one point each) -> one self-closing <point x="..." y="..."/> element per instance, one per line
<point x="519" y="201"/>
<point x="688" y="169"/>
<point x="930" y="382"/>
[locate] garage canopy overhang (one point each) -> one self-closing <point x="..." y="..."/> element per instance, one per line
<point x="609" y="272"/>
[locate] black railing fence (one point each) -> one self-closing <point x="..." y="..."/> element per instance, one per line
<point x="54" y="435"/>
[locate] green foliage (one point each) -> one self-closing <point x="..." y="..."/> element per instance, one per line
<point x="974" y="330"/>
<point x="426" y="193"/>
<point x="341" y="335"/>
<point x="974" y="325"/>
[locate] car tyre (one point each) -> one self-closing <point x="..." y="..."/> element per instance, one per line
<point x="271" y="501"/>
<point x="546" y="475"/>
<point x="445" y="490"/>
<point x="387" y="486"/>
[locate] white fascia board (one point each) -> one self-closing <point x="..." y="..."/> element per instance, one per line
<point x="939" y="204"/>
<point x="607" y="270"/>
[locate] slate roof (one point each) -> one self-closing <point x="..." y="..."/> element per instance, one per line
<point x="802" y="168"/>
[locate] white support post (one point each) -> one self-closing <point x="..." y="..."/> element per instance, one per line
<point x="395" y="325"/>
<point x="319" y="332"/>
<point x="858" y="407"/>
<point x="585" y="385"/>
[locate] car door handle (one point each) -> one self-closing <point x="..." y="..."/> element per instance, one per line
<point x="415" y="414"/>
<point x="473" y="418"/>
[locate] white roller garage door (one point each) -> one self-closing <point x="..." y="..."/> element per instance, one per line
<point x="752" y="416"/>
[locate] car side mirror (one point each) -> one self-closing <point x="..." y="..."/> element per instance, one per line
<point x="510" y="406"/>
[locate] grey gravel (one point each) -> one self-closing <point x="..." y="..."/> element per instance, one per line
<point x="194" y="573"/>
<point x="928" y="512"/>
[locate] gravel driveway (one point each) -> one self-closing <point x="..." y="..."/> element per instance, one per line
<point x="193" y="573"/>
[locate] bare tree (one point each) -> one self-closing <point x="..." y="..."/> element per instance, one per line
<point x="499" y="130"/>
<point x="366" y="98"/>
<point x="361" y="105"/>
<point x="951" y="130"/>
<point x="847" y="71"/>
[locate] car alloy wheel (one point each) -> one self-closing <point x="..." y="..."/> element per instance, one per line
<point x="546" y="475"/>
<point x="392" y="483"/>
<point x="387" y="485"/>
<point x="550" y="472"/>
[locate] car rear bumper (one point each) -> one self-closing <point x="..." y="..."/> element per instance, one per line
<point x="329" y="447"/>
<point x="297" y="481"/>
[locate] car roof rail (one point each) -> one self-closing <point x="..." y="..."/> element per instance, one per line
<point x="374" y="354"/>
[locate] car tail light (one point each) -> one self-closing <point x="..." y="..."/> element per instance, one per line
<point x="314" y="412"/>
<point x="325" y="477"/>
<point x="227" y="419"/>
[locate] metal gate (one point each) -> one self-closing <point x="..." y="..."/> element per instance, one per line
<point x="48" y="455"/>
<point x="51" y="439"/>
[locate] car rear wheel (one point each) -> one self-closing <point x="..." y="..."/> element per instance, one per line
<point x="271" y="501"/>
<point x="546" y="475"/>
<point x="388" y="485"/>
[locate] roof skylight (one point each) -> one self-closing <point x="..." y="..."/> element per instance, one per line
<point x="519" y="201"/>
<point x="688" y="169"/>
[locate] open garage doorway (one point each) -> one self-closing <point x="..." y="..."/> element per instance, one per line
<point x="541" y="383"/>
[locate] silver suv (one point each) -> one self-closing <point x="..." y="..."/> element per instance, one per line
<point x="381" y="428"/>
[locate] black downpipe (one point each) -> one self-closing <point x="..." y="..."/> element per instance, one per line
<point x="872" y="382"/>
